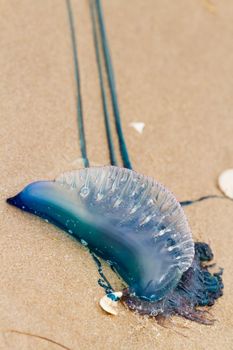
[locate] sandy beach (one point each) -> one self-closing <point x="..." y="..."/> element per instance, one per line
<point x="173" y="63"/>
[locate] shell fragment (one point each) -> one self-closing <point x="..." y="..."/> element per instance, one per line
<point x="225" y="182"/>
<point x="138" y="126"/>
<point x="109" y="302"/>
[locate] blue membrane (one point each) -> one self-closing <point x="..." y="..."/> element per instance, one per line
<point x="134" y="223"/>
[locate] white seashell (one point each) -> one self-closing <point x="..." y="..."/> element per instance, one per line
<point x="138" y="127"/>
<point x="225" y="182"/>
<point x="108" y="303"/>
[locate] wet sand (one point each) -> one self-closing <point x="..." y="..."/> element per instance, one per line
<point x="173" y="62"/>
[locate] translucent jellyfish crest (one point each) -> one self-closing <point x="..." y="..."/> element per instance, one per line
<point x="145" y="213"/>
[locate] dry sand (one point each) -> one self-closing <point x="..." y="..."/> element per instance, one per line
<point x="174" y="63"/>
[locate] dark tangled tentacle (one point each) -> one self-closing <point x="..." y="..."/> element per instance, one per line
<point x="198" y="287"/>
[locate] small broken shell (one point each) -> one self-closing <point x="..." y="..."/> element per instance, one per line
<point x="138" y="126"/>
<point x="109" y="302"/>
<point x="225" y="182"/>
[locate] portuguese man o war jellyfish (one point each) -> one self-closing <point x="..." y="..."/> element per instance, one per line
<point x="138" y="226"/>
